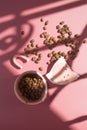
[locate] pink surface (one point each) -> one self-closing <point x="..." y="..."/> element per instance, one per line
<point x="65" y="107"/>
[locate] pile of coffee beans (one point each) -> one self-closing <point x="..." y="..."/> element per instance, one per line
<point x="32" y="87"/>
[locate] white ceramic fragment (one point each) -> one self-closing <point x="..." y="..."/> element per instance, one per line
<point x="16" y="62"/>
<point x="61" y="73"/>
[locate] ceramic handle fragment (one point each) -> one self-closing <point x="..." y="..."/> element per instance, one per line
<point x="16" y="62"/>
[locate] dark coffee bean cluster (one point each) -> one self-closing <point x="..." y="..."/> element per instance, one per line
<point x="32" y="88"/>
<point x="54" y="56"/>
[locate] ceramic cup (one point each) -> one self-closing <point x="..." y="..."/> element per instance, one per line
<point x="19" y="94"/>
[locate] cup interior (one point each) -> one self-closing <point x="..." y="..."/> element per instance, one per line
<point x="19" y="94"/>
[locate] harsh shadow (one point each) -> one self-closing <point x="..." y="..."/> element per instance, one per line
<point x="13" y="114"/>
<point x="77" y="120"/>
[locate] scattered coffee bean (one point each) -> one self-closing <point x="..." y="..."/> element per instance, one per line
<point x="47" y="63"/>
<point x="35" y="52"/>
<point x="85" y="41"/>
<point x="28" y="46"/>
<point x="49" y="55"/>
<point x="46" y="23"/>
<point x="70" y="33"/>
<point x="65" y="26"/>
<point x="22" y="32"/>
<point x="76" y="35"/>
<point x="58" y="27"/>
<point x="41" y="35"/>
<point x="69" y="52"/>
<point x="32" y="44"/>
<point x="44" y="28"/>
<point x="33" y="58"/>
<point x="32" y="41"/>
<point x="36" y="61"/>
<point x="53" y="52"/>
<point x="37" y="46"/>
<point x="62" y="22"/>
<point x="40" y="68"/>
<point x="41" y="20"/>
<point x="39" y="55"/>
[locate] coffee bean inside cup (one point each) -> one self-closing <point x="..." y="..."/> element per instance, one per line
<point x="31" y="87"/>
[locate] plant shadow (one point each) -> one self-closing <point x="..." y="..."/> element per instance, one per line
<point x="13" y="114"/>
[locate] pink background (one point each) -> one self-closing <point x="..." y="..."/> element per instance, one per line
<point x="65" y="107"/>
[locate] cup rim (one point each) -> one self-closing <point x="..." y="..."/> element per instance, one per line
<point x="18" y="93"/>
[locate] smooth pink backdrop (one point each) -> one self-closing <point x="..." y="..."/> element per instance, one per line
<point x="66" y="106"/>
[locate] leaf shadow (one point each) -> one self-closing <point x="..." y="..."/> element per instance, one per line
<point x="13" y="111"/>
<point x="76" y="120"/>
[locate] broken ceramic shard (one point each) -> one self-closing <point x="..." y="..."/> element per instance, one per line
<point x="19" y="56"/>
<point x="61" y="73"/>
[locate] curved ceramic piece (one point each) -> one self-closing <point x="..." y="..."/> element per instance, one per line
<point x="61" y="73"/>
<point x="16" y="62"/>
